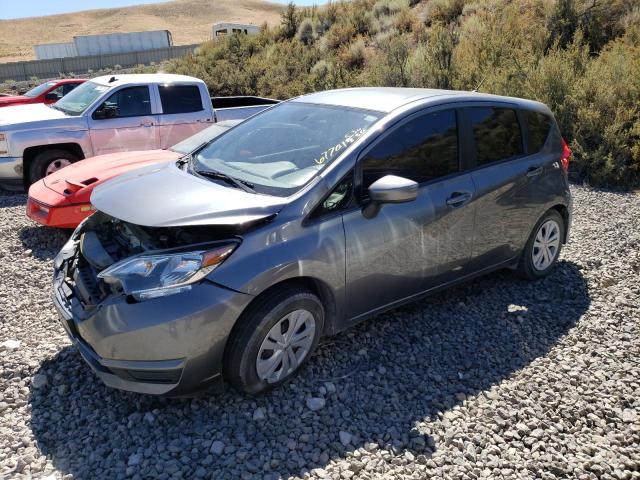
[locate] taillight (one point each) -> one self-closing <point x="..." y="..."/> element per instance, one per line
<point x="566" y="156"/>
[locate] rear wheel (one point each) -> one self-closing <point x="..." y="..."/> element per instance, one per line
<point x="543" y="247"/>
<point x="48" y="162"/>
<point x="274" y="338"/>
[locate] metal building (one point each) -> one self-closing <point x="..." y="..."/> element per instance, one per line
<point x="47" y="51"/>
<point x="105" y="44"/>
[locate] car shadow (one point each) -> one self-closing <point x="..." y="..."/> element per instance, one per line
<point x="43" y="242"/>
<point x="12" y="199"/>
<point x="382" y="380"/>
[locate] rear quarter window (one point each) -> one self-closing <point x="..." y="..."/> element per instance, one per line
<point x="180" y="99"/>
<point x="539" y="126"/>
<point x="497" y="134"/>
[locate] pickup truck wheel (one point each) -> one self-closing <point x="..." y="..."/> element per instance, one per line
<point x="48" y="162"/>
<point x="275" y="337"/>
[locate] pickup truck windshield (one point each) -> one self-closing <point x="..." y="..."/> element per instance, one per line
<point x="39" y="90"/>
<point x="79" y="99"/>
<point x="282" y="149"/>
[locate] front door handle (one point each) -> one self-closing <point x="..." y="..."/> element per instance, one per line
<point x="147" y="124"/>
<point x="534" y="171"/>
<point x="458" y="199"/>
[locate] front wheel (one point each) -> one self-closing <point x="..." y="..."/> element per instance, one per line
<point x="48" y="162"/>
<point x="543" y="247"/>
<point x="274" y="338"/>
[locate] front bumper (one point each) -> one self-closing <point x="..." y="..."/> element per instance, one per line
<point x="165" y="346"/>
<point x="11" y="170"/>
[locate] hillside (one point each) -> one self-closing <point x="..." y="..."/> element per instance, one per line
<point x="580" y="57"/>
<point x="189" y="21"/>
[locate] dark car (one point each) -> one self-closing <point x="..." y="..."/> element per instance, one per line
<point x="232" y="262"/>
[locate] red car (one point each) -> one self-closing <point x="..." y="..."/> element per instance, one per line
<point x="62" y="199"/>
<point x="48" y="92"/>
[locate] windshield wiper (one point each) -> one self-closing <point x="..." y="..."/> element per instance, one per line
<point x="246" y="186"/>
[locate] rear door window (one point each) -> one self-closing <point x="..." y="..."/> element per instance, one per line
<point x="539" y="126"/>
<point x="180" y="99"/>
<point x="497" y="134"/>
<point x="421" y="150"/>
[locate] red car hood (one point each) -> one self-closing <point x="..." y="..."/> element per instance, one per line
<point x="12" y="100"/>
<point x="81" y="177"/>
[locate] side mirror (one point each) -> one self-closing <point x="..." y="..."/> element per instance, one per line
<point x="105" y="111"/>
<point x="390" y="189"/>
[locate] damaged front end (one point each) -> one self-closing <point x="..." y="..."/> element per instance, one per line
<point x="114" y="284"/>
<point x="110" y="257"/>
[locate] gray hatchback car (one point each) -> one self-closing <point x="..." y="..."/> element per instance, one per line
<point x="311" y="216"/>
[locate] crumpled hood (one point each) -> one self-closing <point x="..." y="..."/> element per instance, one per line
<point x="96" y="170"/>
<point x="28" y="116"/>
<point x="166" y="196"/>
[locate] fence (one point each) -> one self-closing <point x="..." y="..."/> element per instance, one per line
<point x="59" y="66"/>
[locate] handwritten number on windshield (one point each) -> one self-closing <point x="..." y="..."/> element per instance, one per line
<point x="349" y="138"/>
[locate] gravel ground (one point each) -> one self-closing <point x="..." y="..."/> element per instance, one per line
<point x="498" y="378"/>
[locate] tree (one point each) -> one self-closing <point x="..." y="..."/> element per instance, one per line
<point x="562" y="24"/>
<point x="289" y="21"/>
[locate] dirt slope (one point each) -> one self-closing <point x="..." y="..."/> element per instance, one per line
<point x="189" y="21"/>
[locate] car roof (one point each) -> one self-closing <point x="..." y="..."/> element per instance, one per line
<point x="387" y="99"/>
<point x="127" y="78"/>
<point x="69" y="80"/>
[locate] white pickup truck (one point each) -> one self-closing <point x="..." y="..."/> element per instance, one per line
<point x="110" y="114"/>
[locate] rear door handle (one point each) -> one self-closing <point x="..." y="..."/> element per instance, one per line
<point x="533" y="171"/>
<point x="458" y="199"/>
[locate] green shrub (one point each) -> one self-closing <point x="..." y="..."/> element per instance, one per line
<point x="606" y="142"/>
<point x="305" y="31"/>
<point x="353" y="56"/>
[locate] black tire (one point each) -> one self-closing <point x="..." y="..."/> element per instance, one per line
<point x="39" y="165"/>
<point x="253" y="326"/>
<point x="526" y="268"/>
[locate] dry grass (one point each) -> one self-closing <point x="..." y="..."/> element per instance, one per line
<point x="189" y="21"/>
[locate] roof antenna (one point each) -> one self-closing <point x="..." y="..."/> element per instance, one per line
<point x="475" y="90"/>
<point x="113" y="79"/>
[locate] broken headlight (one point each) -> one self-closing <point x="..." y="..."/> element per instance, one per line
<point x="159" y="275"/>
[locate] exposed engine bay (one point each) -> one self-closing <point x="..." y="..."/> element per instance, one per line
<point x="103" y="241"/>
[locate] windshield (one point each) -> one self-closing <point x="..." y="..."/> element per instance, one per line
<point x="282" y="149"/>
<point x="190" y="144"/>
<point x="39" y="90"/>
<point x="78" y="99"/>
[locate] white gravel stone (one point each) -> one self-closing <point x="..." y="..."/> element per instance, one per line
<point x="315" y="403"/>
<point x="39" y="380"/>
<point x="11" y="344"/>
<point x="217" y="447"/>
<point x="345" y="438"/>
